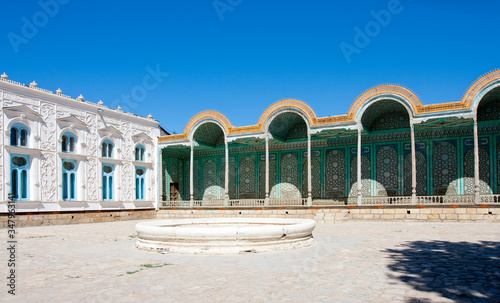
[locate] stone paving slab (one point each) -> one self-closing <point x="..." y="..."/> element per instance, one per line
<point x="351" y="262"/>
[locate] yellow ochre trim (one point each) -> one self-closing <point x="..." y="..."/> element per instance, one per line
<point x="368" y="95"/>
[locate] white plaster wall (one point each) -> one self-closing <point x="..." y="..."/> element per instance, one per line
<point x="45" y="180"/>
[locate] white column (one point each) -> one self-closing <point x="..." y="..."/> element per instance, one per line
<point x="191" y="164"/>
<point x="226" y="176"/>
<point x="159" y="174"/>
<point x="477" y="198"/>
<point x="266" y="201"/>
<point x="413" y="166"/>
<point x="309" y="177"/>
<point x="359" y="164"/>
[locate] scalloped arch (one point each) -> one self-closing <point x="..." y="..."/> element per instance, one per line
<point x="470" y="98"/>
<point x="386" y="90"/>
<point x="209" y="116"/>
<point x="288" y="104"/>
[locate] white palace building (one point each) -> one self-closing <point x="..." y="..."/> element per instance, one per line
<point x="63" y="154"/>
<point x="71" y="159"/>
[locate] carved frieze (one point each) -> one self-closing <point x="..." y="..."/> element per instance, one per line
<point x="48" y="129"/>
<point x="127" y="182"/>
<point x="49" y="176"/>
<point x="91" y="182"/>
<point x="20" y="99"/>
<point x="91" y="145"/>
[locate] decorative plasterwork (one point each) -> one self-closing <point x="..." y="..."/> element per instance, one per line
<point x="379" y="93"/>
<point x="141" y="137"/>
<point x="22" y="150"/>
<point x="22" y="111"/>
<point x="384" y="91"/>
<point x="72" y="156"/>
<point x="71" y="121"/>
<point x="477" y="87"/>
<point x="109" y="131"/>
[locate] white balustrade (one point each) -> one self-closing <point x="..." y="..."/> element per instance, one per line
<point x="399" y="200"/>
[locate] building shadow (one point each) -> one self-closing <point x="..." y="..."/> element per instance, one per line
<point x="460" y="271"/>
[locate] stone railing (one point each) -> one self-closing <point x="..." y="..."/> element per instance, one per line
<point x="279" y="202"/>
<point x="246" y="202"/>
<point x="400" y="200"/>
<point x="490" y="199"/>
<point x="368" y="201"/>
<point x="197" y="203"/>
<point x="458" y="199"/>
<point x="336" y="201"/>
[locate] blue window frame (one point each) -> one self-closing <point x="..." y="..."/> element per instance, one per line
<point x="140" y="173"/>
<point x="19" y="172"/>
<point x="19" y="135"/>
<point x="139" y="153"/>
<point x="69" y="179"/>
<point x="107" y="182"/>
<point x="107" y="149"/>
<point x="68" y="143"/>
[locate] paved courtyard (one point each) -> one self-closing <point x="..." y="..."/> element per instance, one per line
<point x="351" y="262"/>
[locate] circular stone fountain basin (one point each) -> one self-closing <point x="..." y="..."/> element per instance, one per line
<point x="224" y="235"/>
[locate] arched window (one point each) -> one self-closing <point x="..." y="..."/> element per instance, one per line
<point x="107" y="182"/>
<point x="140" y="173"/>
<point x="69" y="180"/>
<point x="19" y="171"/>
<point x="19" y="135"/>
<point x="139" y="153"/>
<point x="68" y="143"/>
<point x="107" y="149"/>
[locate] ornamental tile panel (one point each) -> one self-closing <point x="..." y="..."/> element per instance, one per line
<point x="444" y="168"/>
<point x="387" y="171"/>
<point x="335" y="174"/>
<point x="247" y="177"/>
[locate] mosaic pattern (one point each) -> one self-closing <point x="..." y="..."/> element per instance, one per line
<point x="421" y="174"/>
<point x="196" y="180"/>
<point x="283" y="123"/>
<point x="387" y="171"/>
<point x="484" y="172"/>
<point x="365" y="177"/>
<point x="489" y="110"/>
<point x="173" y="173"/>
<point x="315" y="178"/>
<point x="498" y="170"/>
<point x="247" y="177"/>
<point x="385" y="115"/>
<point x="208" y="133"/>
<point x="392" y="120"/>
<point x="181" y="179"/>
<point x="186" y="185"/>
<point x="210" y="189"/>
<point x="298" y="131"/>
<point x="232" y="177"/>
<point x="444" y="168"/>
<point x="335" y="173"/>
<point x="289" y="176"/>
<point x="262" y="178"/>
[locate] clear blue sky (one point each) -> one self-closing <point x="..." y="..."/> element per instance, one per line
<point x="240" y="56"/>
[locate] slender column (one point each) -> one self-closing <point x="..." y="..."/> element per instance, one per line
<point x="191" y="165"/>
<point x="266" y="201"/>
<point x="360" y="201"/>
<point x="226" y="174"/>
<point x="413" y="166"/>
<point x="477" y="198"/>
<point x="309" y="177"/>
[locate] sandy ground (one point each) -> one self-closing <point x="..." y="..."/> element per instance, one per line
<point x="351" y="262"/>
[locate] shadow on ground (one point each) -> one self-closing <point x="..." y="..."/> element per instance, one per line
<point x="460" y="271"/>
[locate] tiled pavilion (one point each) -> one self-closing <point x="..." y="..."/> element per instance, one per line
<point x="388" y="149"/>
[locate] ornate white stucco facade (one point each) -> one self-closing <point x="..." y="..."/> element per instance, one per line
<point x="50" y="119"/>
